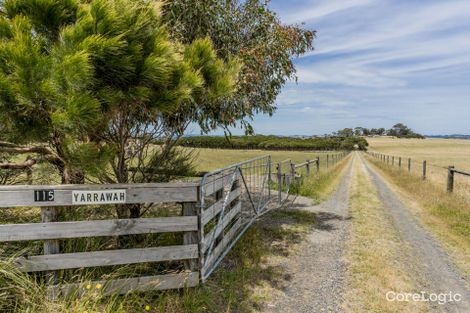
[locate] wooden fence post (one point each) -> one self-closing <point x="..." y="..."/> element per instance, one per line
<point x="191" y="209"/>
<point x="29" y="173"/>
<point x="279" y="182"/>
<point x="393" y="160"/>
<point x="388" y="159"/>
<point x="424" y="169"/>
<point x="308" y="167"/>
<point x="327" y="161"/>
<point x="399" y="162"/>
<point x="292" y="172"/>
<point x="409" y="164"/>
<point x="49" y="215"/>
<point x="450" y="179"/>
<point x="318" y="164"/>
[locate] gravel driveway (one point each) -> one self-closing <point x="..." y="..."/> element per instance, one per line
<point x="436" y="272"/>
<point x="317" y="271"/>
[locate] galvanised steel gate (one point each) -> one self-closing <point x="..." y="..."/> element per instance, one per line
<point x="231" y="199"/>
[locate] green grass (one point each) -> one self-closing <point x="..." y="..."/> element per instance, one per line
<point x="230" y="289"/>
<point x="319" y="186"/>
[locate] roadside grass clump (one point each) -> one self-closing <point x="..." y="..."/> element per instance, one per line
<point x="20" y="292"/>
<point x="319" y="186"/>
<point x="446" y="215"/>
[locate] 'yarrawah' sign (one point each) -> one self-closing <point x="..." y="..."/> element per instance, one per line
<point x="99" y="196"/>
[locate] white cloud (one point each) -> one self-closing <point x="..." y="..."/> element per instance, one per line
<point x="378" y="62"/>
<point x="321" y="9"/>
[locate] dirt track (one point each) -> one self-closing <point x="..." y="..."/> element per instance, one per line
<point x="437" y="273"/>
<point x="318" y="270"/>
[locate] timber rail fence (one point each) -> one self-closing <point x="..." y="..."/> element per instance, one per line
<point x="423" y="167"/>
<point x="214" y="214"/>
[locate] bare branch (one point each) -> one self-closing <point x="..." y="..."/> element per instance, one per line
<point x="9" y="147"/>
<point x="18" y="166"/>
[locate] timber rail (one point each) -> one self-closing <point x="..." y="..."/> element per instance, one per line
<point x="214" y="214"/>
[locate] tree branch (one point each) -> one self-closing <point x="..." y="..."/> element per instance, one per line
<point x="18" y="166"/>
<point x="9" y="147"/>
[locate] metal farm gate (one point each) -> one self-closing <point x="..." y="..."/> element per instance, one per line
<point x="231" y="199"/>
<point x="213" y="215"/>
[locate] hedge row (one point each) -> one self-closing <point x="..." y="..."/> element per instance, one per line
<point x="275" y="143"/>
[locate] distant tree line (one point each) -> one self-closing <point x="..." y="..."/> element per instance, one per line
<point x="399" y="130"/>
<point x="275" y="142"/>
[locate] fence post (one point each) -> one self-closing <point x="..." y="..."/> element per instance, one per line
<point x="424" y="169"/>
<point x="29" y="173"/>
<point x="49" y="215"/>
<point x="399" y="162"/>
<point x="327" y="161"/>
<point x="409" y="164"/>
<point x="318" y="164"/>
<point x="388" y="159"/>
<point x="450" y="179"/>
<point x="393" y="161"/>
<point x="279" y="182"/>
<point x="269" y="176"/>
<point x="292" y="172"/>
<point x="308" y="167"/>
<point x="191" y="209"/>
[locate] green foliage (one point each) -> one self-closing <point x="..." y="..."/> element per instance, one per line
<point x="252" y="32"/>
<point x="70" y="69"/>
<point x="398" y="130"/>
<point x="402" y="131"/>
<point x="275" y="143"/>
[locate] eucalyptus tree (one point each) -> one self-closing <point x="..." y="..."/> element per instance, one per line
<point x="252" y="32"/>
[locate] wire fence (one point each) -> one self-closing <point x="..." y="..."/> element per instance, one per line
<point x="448" y="178"/>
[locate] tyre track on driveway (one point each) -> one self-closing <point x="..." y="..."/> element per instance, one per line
<point x="436" y="271"/>
<point x="317" y="271"/>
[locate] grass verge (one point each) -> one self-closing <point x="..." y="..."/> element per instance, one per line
<point x="377" y="260"/>
<point x="241" y="284"/>
<point x="319" y="186"/>
<point x="445" y="215"/>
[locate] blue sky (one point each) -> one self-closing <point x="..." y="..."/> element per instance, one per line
<point x="377" y="62"/>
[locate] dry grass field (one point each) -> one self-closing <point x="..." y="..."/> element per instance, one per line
<point x="211" y="159"/>
<point x="439" y="154"/>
